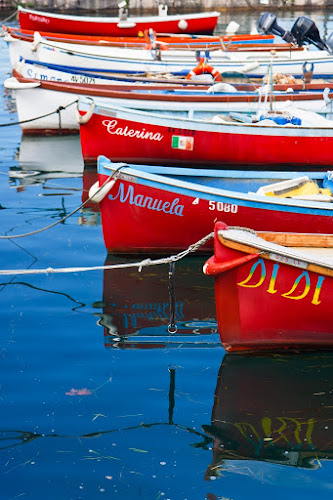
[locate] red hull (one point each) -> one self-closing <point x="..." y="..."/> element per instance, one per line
<point x="43" y="22"/>
<point x="115" y="139"/>
<point x="262" y="304"/>
<point x="124" y="231"/>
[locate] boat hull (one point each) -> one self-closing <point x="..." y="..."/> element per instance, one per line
<point x="203" y="23"/>
<point x="270" y="304"/>
<point x="177" y="213"/>
<point x="38" y="102"/>
<point x="177" y="62"/>
<point x="126" y="135"/>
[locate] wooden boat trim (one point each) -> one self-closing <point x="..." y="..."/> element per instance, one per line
<point x="250" y="56"/>
<point x="314" y="85"/>
<point x="282" y="54"/>
<point x="193" y="42"/>
<point x="137" y="42"/>
<point x="100" y="90"/>
<point x="298" y="239"/>
<point x="276" y="253"/>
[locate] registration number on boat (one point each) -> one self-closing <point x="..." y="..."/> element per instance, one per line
<point x="82" y="79"/>
<point x="219" y="206"/>
<point x="288" y="260"/>
<point x="223" y="207"/>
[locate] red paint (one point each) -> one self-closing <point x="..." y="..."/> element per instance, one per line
<point x="267" y="316"/>
<point x="43" y="22"/>
<point x="124" y="231"/>
<point x="210" y="148"/>
<point x="26" y="34"/>
<point x="212" y="268"/>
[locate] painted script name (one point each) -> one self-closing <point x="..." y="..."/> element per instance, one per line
<point x="168" y="207"/>
<point x="113" y="128"/>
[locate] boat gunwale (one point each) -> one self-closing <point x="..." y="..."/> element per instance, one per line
<point x="195" y="124"/>
<point x="232" y="238"/>
<point x="192" y="189"/>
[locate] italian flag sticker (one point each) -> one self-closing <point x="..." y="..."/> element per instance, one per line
<point x="182" y="142"/>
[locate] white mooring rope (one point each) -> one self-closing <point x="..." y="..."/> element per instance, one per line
<point x="143" y="263"/>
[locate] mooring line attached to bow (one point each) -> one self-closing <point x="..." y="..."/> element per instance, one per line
<point x="61" y="108"/>
<point x="146" y="262"/>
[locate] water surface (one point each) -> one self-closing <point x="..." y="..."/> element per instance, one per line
<point x="98" y="399"/>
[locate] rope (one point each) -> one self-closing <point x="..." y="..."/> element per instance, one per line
<point x="61" y="108"/>
<point x="66" y="216"/>
<point x="192" y="248"/>
<point x="9" y="17"/>
<point x="147" y="262"/>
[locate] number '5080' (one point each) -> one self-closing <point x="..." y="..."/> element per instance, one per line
<point x="223" y="207"/>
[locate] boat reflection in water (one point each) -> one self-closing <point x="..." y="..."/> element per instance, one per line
<point x="90" y="214"/>
<point x="272" y="409"/>
<point x="43" y="158"/>
<point x="138" y="307"/>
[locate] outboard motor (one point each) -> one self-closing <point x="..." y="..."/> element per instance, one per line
<point x="305" y="30"/>
<point x="329" y="43"/>
<point x="267" y="24"/>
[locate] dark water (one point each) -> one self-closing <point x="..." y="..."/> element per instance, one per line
<point x="97" y="398"/>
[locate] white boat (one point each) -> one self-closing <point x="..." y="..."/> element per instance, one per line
<point x="255" y="63"/>
<point x="45" y="106"/>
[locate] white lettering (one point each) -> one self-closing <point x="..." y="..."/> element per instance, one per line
<point x="140" y="200"/>
<point x="41" y="19"/>
<point x="112" y="128"/>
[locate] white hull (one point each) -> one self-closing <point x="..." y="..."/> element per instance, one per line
<point x="54" y="75"/>
<point x="34" y="101"/>
<point x="123" y="60"/>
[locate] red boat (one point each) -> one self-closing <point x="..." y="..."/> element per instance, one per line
<point x="180" y="205"/>
<point x="200" y="23"/>
<point x="273" y="409"/>
<point x="269" y="296"/>
<point x="131" y="135"/>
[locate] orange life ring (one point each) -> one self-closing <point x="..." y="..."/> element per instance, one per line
<point x="204" y="68"/>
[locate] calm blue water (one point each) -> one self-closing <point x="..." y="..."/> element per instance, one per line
<point x="97" y="399"/>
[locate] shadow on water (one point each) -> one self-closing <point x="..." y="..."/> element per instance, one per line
<point x="275" y="409"/>
<point x="155" y="308"/>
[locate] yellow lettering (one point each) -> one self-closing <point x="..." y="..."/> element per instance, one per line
<point x="315" y="299"/>
<point x="304" y="275"/>
<point x="260" y="263"/>
<point x="271" y="287"/>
